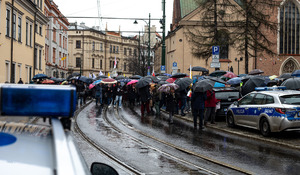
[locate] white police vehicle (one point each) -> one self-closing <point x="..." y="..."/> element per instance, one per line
<point x="268" y="109"/>
<point x="35" y="149"/>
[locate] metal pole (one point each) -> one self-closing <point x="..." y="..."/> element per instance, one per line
<point x="238" y="67"/>
<point x="149" y="46"/>
<point x="139" y="50"/>
<point x="163" y="50"/>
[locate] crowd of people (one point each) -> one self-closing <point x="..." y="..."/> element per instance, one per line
<point x="151" y="100"/>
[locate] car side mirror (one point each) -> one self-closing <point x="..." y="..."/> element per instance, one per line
<point x="102" y="169"/>
<point x="236" y="103"/>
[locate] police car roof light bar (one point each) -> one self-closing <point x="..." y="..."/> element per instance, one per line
<point x="270" y="88"/>
<point x="37" y="100"/>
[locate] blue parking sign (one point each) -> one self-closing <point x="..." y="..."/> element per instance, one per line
<point x="162" y="68"/>
<point x="174" y="64"/>
<point x="215" y="50"/>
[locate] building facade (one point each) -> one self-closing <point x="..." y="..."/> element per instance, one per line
<point x="56" y="45"/>
<point x="92" y="51"/>
<point x="22" y="39"/>
<point x="286" y="47"/>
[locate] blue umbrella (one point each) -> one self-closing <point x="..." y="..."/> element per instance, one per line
<point x="97" y="82"/>
<point x="296" y="73"/>
<point x="217" y="84"/>
<point x="40" y="76"/>
<point x="126" y="80"/>
<point x="236" y="80"/>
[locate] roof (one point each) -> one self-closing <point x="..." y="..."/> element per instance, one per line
<point x="187" y="6"/>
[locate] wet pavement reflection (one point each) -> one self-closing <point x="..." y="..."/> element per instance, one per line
<point x="255" y="156"/>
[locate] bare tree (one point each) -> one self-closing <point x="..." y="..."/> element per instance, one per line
<point x="138" y="63"/>
<point x="252" y="31"/>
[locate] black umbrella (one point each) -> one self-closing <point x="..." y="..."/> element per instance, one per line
<point x="218" y="73"/>
<point x="163" y="82"/>
<point x="198" y="68"/>
<point x="215" y="79"/>
<point x="285" y="75"/>
<point x="252" y="83"/>
<point x="256" y="72"/>
<point x="39" y="76"/>
<point x="120" y="77"/>
<point x="183" y="83"/>
<point x="84" y="79"/>
<point x="143" y="82"/>
<point x="162" y="78"/>
<point x="178" y="75"/>
<point x="101" y="77"/>
<point x="152" y="78"/>
<point x="136" y="77"/>
<point x="292" y="83"/>
<point x="203" y="85"/>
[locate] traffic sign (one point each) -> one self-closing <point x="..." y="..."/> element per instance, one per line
<point x="215" y="58"/>
<point x="163" y="68"/>
<point x="174" y="64"/>
<point x="215" y="64"/>
<point x="216" y="50"/>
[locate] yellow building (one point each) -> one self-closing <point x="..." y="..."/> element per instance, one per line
<point x="92" y="51"/>
<point x="22" y="39"/>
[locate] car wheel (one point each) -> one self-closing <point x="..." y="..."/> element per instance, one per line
<point x="230" y="120"/>
<point x="265" y="127"/>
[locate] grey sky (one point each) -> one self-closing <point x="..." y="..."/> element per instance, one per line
<point x="117" y="8"/>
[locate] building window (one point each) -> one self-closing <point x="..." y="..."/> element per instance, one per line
<point x="78" y="44"/>
<point x="30" y="35"/>
<point x="13" y="78"/>
<point x="14" y="26"/>
<point x="40" y="59"/>
<point x="54" y="55"/>
<point x="93" y="62"/>
<point x="48" y="28"/>
<point x="54" y="35"/>
<point x="59" y="40"/>
<point x="19" y="29"/>
<point x="41" y="4"/>
<point x="35" y="58"/>
<point x="114" y="49"/>
<point x="289" y="29"/>
<point x="125" y="51"/>
<point x="124" y="66"/>
<point x="100" y="64"/>
<point x="134" y="52"/>
<point x="110" y="49"/>
<point x="101" y="47"/>
<point x="117" y="49"/>
<point x="130" y="52"/>
<point x="110" y="64"/>
<point x="78" y="61"/>
<point x="7" y="72"/>
<point x="40" y="32"/>
<point x="93" y="46"/>
<point x="7" y="22"/>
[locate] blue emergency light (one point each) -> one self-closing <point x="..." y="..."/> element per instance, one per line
<point x="270" y="88"/>
<point x="37" y="100"/>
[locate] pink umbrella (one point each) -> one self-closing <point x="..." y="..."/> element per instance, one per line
<point x="230" y="75"/>
<point x="171" y="80"/>
<point x="91" y="86"/>
<point x="132" y="82"/>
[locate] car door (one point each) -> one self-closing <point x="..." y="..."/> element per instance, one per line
<point x="241" y="111"/>
<point x="254" y="111"/>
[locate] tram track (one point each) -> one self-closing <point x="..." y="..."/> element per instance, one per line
<point x="77" y="129"/>
<point x="206" y="158"/>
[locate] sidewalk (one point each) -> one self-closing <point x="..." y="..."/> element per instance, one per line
<point x="245" y="132"/>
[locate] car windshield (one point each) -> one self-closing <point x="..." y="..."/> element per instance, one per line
<point x="290" y="99"/>
<point x="227" y="94"/>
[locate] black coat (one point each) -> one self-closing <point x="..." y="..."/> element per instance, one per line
<point x="171" y="101"/>
<point x="144" y="93"/>
<point x="198" y="100"/>
<point x="131" y="93"/>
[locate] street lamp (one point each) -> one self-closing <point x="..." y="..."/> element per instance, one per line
<point x="135" y="22"/>
<point x="238" y="60"/>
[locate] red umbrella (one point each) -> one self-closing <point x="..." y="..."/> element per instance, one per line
<point x="47" y="81"/>
<point x="171" y="80"/>
<point x="109" y="81"/>
<point x="230" y="75"/>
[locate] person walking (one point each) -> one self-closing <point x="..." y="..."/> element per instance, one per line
<point x="183" y="99"/>
<point x="198" y="104"/>
<point x="98" y="94"/>
<point x="109" y="94"/>
<point x="156" y="100"/>
<point x="171" y="103"/>
<point x="145" y="96"/>
<point x="118" y="91"/>
<point x="131" y="95"/>
<point x="210" y="105"/>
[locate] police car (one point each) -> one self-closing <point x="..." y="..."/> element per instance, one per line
<point x="37" y="149"/>
<point x="268" y="109"/>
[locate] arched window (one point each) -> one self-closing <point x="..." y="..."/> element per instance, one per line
<point x="289" y="29"/>
<point x="290" y="66"/>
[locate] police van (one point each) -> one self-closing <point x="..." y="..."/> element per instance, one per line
<point x="268" y="109"/>
<point x="36" y="149"/>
